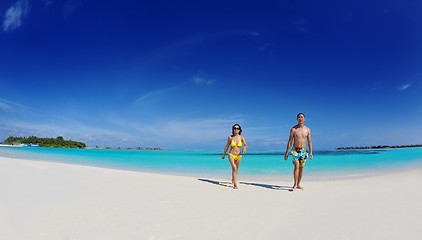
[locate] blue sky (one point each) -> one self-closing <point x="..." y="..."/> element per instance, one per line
<point x="179" y="74"/>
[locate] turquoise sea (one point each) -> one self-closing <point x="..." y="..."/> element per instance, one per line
<point x="258" y="164"/>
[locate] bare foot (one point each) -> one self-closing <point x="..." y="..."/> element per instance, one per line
<point x="234" y="184"/>
<point x="293" y="188"/>
<point x="299" y="187"/>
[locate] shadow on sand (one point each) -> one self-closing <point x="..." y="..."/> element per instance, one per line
<point x="223" y="184"/>
<point x="268" y="186"/>
<point x="230" y="185"/>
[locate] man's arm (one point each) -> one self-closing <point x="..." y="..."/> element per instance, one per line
<point x="310" y="144"/>
<point x="289" y="144"/>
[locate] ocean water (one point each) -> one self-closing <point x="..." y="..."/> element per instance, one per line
<point x="258" y="164"/>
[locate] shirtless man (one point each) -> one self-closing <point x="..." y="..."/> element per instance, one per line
<point x="299" y="134"/>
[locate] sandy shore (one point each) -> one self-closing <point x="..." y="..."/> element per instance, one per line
<point x="44" y="200"/>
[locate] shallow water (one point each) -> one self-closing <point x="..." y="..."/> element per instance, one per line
<point x="262" y="164"/>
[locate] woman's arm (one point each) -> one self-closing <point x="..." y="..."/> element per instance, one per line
<point x="245" y="145"/>
<point x="226" y="148"/>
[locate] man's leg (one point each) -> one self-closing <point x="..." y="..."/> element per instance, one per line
<point x="295" y="174"/>
<point x="299" y="178"/>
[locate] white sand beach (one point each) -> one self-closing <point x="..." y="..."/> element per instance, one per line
<point x="44" y="200"/>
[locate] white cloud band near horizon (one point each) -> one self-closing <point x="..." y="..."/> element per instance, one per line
<point x="166" y="133"/>
<point x="113" y="129"/>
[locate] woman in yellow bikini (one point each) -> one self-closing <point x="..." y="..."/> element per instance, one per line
<point x="235" y="141"/>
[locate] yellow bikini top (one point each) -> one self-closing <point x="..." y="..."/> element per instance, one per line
<point x="233" y="144"/>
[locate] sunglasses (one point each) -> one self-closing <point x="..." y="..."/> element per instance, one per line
<point x="236" y="128"/>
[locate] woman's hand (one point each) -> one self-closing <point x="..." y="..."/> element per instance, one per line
<point x="223" y="156"/>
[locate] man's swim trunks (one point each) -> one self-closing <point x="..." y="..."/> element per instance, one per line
<point x="299" y="154"/>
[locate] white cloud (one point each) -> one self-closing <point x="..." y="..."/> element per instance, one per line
<point x="47" y="3"/>
<point x="5" y="107"/>
<point x="376" y="86"/>
<point x="404" y="87"/>
<point x="193" y="44"/>
<point x="68" y="128"/>
<point x="154" y="96"/>
<point x="15" y="14"/>
<point x="12" y="107"/>
<point x="201" y="80"/>
<point x="256" y="34"/>
<point x="176" y="132"/>
<point x="304" y="30"/>
<point x="300" y="23"/>
<point x="163" y="131"/>
<point x="70" y="7"/>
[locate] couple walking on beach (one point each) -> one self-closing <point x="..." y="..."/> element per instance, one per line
<point x="299" y="135"/>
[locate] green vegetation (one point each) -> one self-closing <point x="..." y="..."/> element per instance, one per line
<point x="57" y="142"/>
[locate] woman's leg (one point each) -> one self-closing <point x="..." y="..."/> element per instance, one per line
<point x="237" y="162"/>
<point x="234" y="165"/>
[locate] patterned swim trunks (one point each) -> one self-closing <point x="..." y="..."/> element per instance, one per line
<point x="299" y="154"/>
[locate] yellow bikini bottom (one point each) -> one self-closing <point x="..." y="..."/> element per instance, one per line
<point x="235" y="157"/>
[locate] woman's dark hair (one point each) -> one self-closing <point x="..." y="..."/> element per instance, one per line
<point x="300" y="114"/>
<point x="240" y="130"/>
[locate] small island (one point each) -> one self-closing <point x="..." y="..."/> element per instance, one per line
<point x="60" y="142"/>
<point x="380" y="147"/>
<point x="57" y="142"/>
